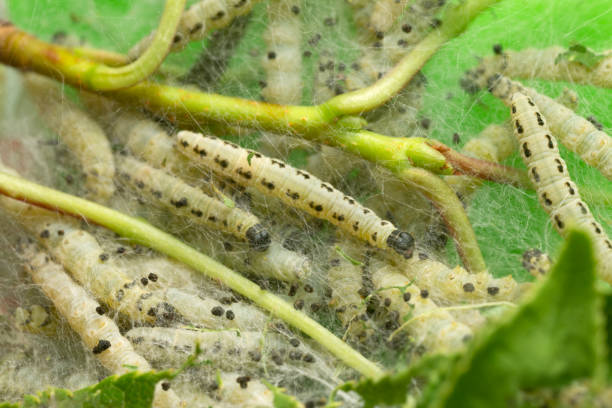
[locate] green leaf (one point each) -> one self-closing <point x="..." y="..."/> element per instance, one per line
<point x="553" y="338"/>
<point x="282" y="400"/>
<point x="392" y="389"/>
<point x="131" y="390"/>
<point x="580" y="54"/>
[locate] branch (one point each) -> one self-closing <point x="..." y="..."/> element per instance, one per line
<point x="144" y="233"/>
<point x="451" y="209"/>
<point x="24" y="51"/>
<point x="455" y="21"/>
<point x="483" y="169"/>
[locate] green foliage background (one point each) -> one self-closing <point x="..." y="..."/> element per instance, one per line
<point x="506" y="221"/>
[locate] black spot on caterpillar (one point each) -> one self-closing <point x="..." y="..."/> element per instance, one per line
<point x="284" y="182"/>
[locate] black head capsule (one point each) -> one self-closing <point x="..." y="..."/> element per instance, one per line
<point x="259" y="237"/>
<point x="402" y="243"/>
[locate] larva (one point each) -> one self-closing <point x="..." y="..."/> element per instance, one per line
<point x="557" y="194"/>
<point x="536" y="262"/>
<point x="240" y="391"/>
<point x="431" y="326"/>
<point x="448" y="286"/>
<point x="226" y="349"/>
<point x="212" y="314"/>
<point x="532" y="63"/>
<point x="198" y="20"/>
<point x="294" y="187"/>
<point x="344" y="279"/>
<point x="99" y="333"/>
<point x="184" y="200"/>
<point x="36" y="319"/>
<point x="283" y="59"/>
<point x="575" y="132"/>
<point x="81" y="134"/>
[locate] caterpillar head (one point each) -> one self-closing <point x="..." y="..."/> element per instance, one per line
<point x="259" y="237"/>
<point x="402" y="243"/>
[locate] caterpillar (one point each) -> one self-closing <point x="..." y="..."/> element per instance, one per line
<point x="99" y="333"/>
<point x="253" y="350"/>
<point x="197" y="21"/>
<point x="81" y="134"/>
<point x="496" y="143"/>
<point x="283" y="59"/>
<point x="452" y="286"/>
<point x="557" y="194"/>
<point x="575" y="132"/>
<point x="431" y="326"/>
<point x="536" y="262"/>
<point x="344" y="280"/>
<point x="184" y="200"/>
<point x="36" y="319"/>
<point x="213" y="314"/>
<point x="545" y="64"/>
<point x="294" y="187"/>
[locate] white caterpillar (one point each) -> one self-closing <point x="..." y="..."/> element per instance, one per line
<point x="184" y="200"/>
<point x="212" y="314"/>
<point x="448" y="286"/>
<point x="168" y="347"/>
<point x="430" y="325"/>
<point x="533" y="63"/>
<point x="557" y="194"/>
<point x="99" y="333"/>
<point x="81" y="134"/>
<point x="575" y="132"/>
<point x="344" y="279"/>
<point x="294" y="187"/>
<point x="198" y="20"/>
<point x="283" y="59"/>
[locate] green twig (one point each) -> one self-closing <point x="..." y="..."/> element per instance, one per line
<point x="451" y="209"/>
<point x="454" y="22"/>
<point x="145" y="234"/>
<point x="19" y="49"/>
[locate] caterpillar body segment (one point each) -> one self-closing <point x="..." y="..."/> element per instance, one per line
<point x="544" y="63"/>
<point x="210" y="313"/>
<point x="226" y="349"/>
<point x="431" y="326"/>
<point x="575" y="132"/>
<point x="448" y="286"/>
<point x="283" y="59"/>
<point x="197" y="21"/>
<point x="296" y="188"/>
<point x="345" y="280"/>
<point x="79" y="132"/>
<point x="557" y="194"/>
<point x="99" y="333"/>
<point x="184" y="200"/>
